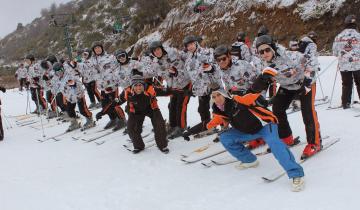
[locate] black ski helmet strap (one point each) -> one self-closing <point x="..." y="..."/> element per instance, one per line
<point x="98" y="44"/>
<point x="221" y="50"/>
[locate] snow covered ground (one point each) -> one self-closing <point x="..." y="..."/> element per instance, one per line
<point x="68" y="175"/>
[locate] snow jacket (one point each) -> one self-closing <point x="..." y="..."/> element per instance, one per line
<point x="347" y="48"/>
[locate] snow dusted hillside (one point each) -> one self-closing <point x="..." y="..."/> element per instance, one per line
<point x="69" y="175"/>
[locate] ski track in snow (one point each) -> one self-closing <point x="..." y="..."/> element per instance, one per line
<point x="69" y="174"/>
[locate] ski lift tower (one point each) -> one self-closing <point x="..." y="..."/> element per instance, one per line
<point x="64" y="20"/>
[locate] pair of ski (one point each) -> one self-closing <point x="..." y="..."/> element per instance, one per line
<point x="95" y="136"/>
<point x="150" y="142"/>
<point x="273" y="176"/>
<point x="226" y="158"/>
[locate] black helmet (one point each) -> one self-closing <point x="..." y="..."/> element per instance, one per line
<point x="264" y="39"/>
<point x="312" y="35"/>
<point x="52" y="59"/>
<point x="263" y="30"/>
<point x="58" y="67"/>
<point x="88" y="52"/>
<point x="221" y="50"/>
<point x="30" y="57"/>
<point x="189" y="39"/>
<point x="44" y="64"/>
<point x="350" y="20"/>
<point x="241" y="36"/>
<point x="98" y="44"/>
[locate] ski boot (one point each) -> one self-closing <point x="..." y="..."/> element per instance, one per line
<point x="255" y="143"/>
<point x="88" y="124"/>
<point x="298" y="184"/>
<point x="310" y="150"/>
<point x="119" y="124"/>
<point x="242" y="166"/>
<point x="165" y="150"/>
<point x="74" y="124"/>
<point x="92" y="105"/>
<point x="289" y="141"/>
<point x="110" y="124"/>
<point x="177" y="132"/>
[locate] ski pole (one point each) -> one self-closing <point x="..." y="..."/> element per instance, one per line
<point x="333" y="88"/>
<point x="38" y="100"/>
<point x="27" y="102"/>
<point x="321" y="88"/>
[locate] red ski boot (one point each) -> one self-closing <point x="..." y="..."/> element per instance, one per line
<point x="310" y="150"/>
<point x="255" y="143"/>
<point x="288" y="140"/>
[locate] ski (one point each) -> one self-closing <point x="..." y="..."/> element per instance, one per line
<point x="103" y="134"/>
<point x="129" y="144"/>
<point x="278" y="174"/>
<point x="206" y="133"/>
<point x="147" y="146"/>
<point x="214" y="149"/>
<point x="55" y="138"/>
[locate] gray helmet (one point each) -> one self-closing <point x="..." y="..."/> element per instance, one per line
<point x="312" y="35"/>
<point x="221" y="50"/>
<point x="350" y="20"/>
<point x="189" y="39"/>
<point x="98" y="44"/>
<point x="264" y="39"/>
<point x="136" y="79"/>
<point x="154" y="45"/>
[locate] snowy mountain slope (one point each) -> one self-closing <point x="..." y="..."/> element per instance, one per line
<point x="68" y="175"/>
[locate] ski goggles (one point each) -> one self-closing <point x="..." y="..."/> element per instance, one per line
<point x="122" y="55"/>
<point x="85" y="54"/>
<point x="266" y="50"/>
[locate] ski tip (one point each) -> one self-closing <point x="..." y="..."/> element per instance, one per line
<point x="206" y="165"/>
<point x="266" y="179"/>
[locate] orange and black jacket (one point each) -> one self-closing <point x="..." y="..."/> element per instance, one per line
<point x="242" y="113"/>
<point x="143" y="103"/>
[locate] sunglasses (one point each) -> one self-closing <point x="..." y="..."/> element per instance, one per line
<point x="266" y="50"/>
<point x="221" y="59"/>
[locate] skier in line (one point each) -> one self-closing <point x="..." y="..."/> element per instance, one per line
<point x="35" y="77"/>
<point x="74" y="93"/>
<point x="236" y="77"/>
<point x="198" y="64"/>
<point x="87" y="72"/>
<point x="347" y="48"/>
<point x="240" y="49"/>
<point x="47" y="70"/>
<point x="2" y="89"/>
<point x="142" y="102"/>
<point x="294" y="81"/>
<point x="21" y="75"/>
<point x="106" y="81"/>
<point x="166" y="63"/>
<point x="249" y="121"/>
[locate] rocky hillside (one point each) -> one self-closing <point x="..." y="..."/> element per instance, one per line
<point x="144" y="20"/>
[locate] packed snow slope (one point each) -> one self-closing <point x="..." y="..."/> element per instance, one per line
<point x="68" y="175"/>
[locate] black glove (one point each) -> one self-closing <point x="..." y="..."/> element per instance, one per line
<point x="3" y="89"/>
<point x="186" y="135"/>
<point x="99" y="116"/>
